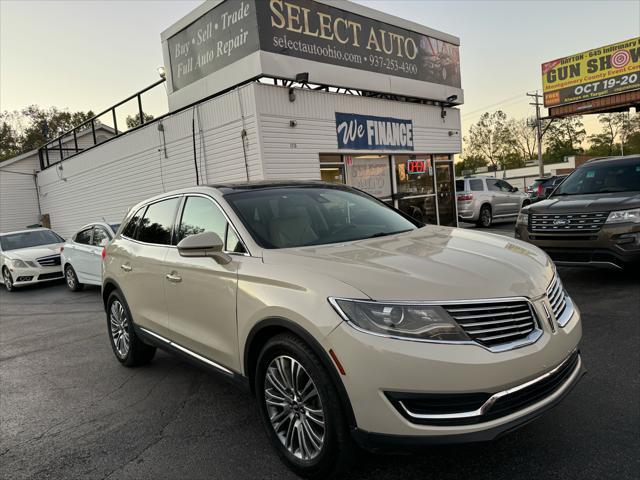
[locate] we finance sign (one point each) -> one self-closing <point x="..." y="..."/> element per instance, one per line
<point x="366" y="132"/>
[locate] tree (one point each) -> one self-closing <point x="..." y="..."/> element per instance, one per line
<point x="9" y="141"/>
<point x="34" y="126"/>
<point x="491" y="138"/>
<point x="563" y="138"/>
<point x="632" y="135"/>
<point x="604" y="143"/>
<point x="523" y="133"/>
<point x="134" y="121"/>
<point x="469" y="163"/>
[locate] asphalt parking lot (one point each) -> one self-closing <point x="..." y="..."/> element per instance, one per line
<point x="69" y="410"/>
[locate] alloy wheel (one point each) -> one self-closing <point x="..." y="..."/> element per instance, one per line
<point x="294" y="407"/>
<point x="486" y="217"/>
<point x="71" y="278"/>
<point x="119" y="324"/>
<point x="8" y="281"/>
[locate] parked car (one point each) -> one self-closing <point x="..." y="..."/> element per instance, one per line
<point x="483" y="200"/>
<point x="81" y="254"/>
<point x="346" y="319"/>
<point x="29" y="256"/>
<point x="541" y="188"/>
<point x="592" y="218"/>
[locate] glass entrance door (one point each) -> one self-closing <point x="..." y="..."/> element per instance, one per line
<point x="415" y="188"/>
<point x="445" y="177"/>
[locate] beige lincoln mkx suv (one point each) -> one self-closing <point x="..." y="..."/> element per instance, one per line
<point x="347" y="320"/>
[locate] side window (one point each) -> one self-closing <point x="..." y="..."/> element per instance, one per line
<point x="100" y="237"/>
<point x="157" y="223"/>
<point x="130" y="229"/>
<point x="504" y="186"/>
<point x="201" y="215"/>
<point x="493" y="185"/>
<point x="233" y="243"/>
<point x="84" y="237"/>
<point x="476" y="185"/>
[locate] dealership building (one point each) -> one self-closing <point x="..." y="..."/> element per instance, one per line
<point x="271" y="90"/>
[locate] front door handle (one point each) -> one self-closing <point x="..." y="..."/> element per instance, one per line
<point x="173" y="277"/>
<point x="126" y="267"/>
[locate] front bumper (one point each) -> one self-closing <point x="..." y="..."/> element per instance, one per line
<point x="608" y="247"/>
<point x="31" y="276"/>
<point x="375" y="366"/>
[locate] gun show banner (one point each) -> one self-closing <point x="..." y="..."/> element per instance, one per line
<point x="592" y="74"/>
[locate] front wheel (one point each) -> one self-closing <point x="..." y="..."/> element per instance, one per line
<point x="126" y="345"/>
<point x="7" y="279"/>
<point x="300" y="411"/>
<point x="72" y="279"/>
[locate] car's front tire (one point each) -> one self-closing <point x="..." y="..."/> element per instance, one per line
<point x="7" y="279"/>
<point x="72" y="279"/>
<point x="126" y="345"/>
<point x="300" y="409"/>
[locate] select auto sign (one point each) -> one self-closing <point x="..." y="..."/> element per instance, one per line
<point x="366" y="132"/>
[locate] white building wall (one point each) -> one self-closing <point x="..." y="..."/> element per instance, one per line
<point x="18" y="193"/>
<point x="104" y="182"/>
<point x="292" y="152"/>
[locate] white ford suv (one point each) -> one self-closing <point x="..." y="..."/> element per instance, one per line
<point x="347" y="320"/>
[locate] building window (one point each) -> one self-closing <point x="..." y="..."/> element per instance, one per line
<point x="332" y="168"/>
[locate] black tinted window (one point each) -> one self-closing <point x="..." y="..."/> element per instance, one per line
<point x="603" y="177"/>
<point x="34" y="238"/>
<point x="156" y="225"/>
<point x="476" y="185"/>
<point x="84" y="237"/>
<point x="459" y="185"/>
<point x="201" y="215"/>
<point x="493" y="185"/>
<point x="130" y="229"/>
<point x="100" y="237"/>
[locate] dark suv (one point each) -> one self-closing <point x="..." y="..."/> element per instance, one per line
<point x="542" y="187"/>
<point x="592" y="218"/>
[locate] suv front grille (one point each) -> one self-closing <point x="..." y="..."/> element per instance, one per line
<point x="50" y="261"/>
<point x="496" y="323"/>
<point x="567" y="222"/>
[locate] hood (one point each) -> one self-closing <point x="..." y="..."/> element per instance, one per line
<point x="595" y="202"/>
<point x="431" y="263"/>
<point x="31" y="253"/>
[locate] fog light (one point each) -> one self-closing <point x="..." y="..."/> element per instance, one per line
<point x="629" y="238"/>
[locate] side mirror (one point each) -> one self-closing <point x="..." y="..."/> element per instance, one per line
<point x="205" y="244"/>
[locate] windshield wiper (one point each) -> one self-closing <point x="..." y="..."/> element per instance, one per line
<point x="384" y="234"/>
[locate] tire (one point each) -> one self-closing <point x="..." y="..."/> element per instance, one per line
<point x="7" y="279"/>
<point x="72" y="279"/>
<point x="127" y="347"/>
<point x="327" y="450"/>
<point x="486" y="218"/>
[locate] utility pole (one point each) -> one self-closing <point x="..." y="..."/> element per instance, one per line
<point x="538" y="130"/>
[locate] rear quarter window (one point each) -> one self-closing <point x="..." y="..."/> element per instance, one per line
<point x="476" y="185"/>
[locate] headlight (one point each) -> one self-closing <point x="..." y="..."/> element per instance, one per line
<point x="425" y="322"/>
<point x="624" y="216"/>
<point x="16" y="263"/>
<point x="523" y="219"/>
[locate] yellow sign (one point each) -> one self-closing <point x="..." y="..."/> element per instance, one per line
<point x="592" y="74"/>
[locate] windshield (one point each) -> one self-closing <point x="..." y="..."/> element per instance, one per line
<point x="603" y="177"/>
<point x="304" y="216"/>
<point x="14" y="241"/>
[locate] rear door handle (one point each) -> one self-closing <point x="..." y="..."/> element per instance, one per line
<point x="126" y="267"/>
<point x="173" y="277"/>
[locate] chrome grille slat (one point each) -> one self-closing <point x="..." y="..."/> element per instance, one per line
<point x="567" y="222"/>
<point x="557" y="297"/>
<point x="495" y="323"/>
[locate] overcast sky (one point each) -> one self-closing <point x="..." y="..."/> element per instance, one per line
<point x="90" y="54"/>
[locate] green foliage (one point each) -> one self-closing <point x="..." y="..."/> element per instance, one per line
<point x="563" y="138"/>
<point x="469" y="163"/>
<point x="134" y="121"/>
<point x="618" y="130"/>
<point x="33" y="126"/>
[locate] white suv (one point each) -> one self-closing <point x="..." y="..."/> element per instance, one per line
<point x="483" y="200"/>
<point x="346" y="320"/>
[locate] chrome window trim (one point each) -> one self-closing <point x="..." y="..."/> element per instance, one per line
<point x="532" y="337"/>
<point x="144" y="207"/>
<point x="187" y="351"/>
<point x="493" y="398"/>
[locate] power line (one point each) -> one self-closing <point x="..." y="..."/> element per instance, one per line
<point x="501" y="102"/>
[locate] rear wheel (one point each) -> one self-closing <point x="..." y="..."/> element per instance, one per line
<point x="127" y="347"/>
<point x="72" y="279"/>
<point x="300" y="411"/>
<point x="486" y="217"/>
<point x="7" y="279"/>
